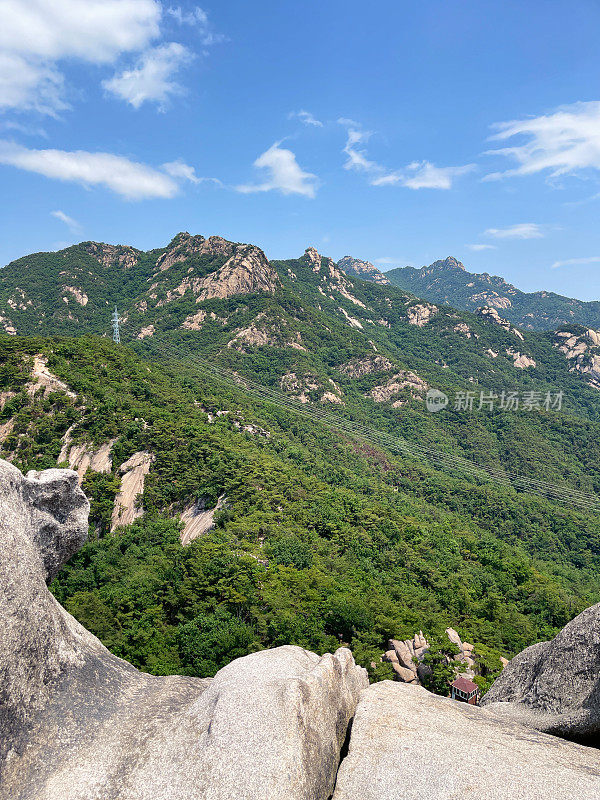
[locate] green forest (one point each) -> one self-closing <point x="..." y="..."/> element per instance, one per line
<point x="326" y="534"/>
<point x="323" y="540"/>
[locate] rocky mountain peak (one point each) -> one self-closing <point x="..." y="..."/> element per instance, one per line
<point x="185" y="245"/>
<point x="362" y="269"/>
<point x="313" y="256"/>
<point x="112" y="254"/>
<point x="245" y="272"/>
<point x="448" y="263"/>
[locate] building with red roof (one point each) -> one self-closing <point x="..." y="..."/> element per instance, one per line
<point x="465" y="691"/>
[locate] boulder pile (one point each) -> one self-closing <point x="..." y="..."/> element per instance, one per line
<point x="406" y="657"/>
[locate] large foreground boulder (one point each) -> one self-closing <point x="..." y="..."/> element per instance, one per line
<point x="77" y="723"/>
<point x="409" y="743"/>
<point x="555" y="686"/>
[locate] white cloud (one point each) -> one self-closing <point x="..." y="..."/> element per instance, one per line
<point x="306" y="118"/>
<point x="417" y="175"/>
<point x="478" y="247"/>
<point x="30" y="85"/>
<point x="562" y="143"/>
<point x="285" y="174"/>
<point x="423" y="175"/>
<point x="179" y="169"/>
<point x="573" y="262"/>
<point x="357" y="156"/>
<point x="71" y="223"/>
<point x="387" y="261"/>
<point x="152" y="77"/>
<point x="524" y="230"/>
<point x="197" y="17"/>
<point x="129" y="179"/>
<point x="36" y="34"/>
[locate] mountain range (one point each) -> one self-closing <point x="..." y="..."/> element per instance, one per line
<point x="298" y="529"/>
<point x="447" y="281"/>
<point x="225" y="300"/>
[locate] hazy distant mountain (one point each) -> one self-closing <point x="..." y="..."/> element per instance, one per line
<point x="449" y="282"/>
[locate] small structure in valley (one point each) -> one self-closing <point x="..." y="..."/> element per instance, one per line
<point x="465" y="691"/>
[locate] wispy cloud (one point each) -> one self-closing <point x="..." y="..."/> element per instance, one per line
<point x="306" y="118"/>
<point x="477" y="247"/>
<point x="36" y="35"/>
<point x="562" y="143"/>
<point x="71" y="223"/>
<point x="152" y="78"/>
<point x="198" y="18"/>
<point x="574" y="262"/>
<point x="129" y="179"/>
<point x="357" y="156"/>
<point x="524" y="230"/>
<point x="179" y="169"/>
<point x="423" y="175"/>
<point x="416" y="175"/>
<point x="284" y="174"/>
<point x="26" y="130"/>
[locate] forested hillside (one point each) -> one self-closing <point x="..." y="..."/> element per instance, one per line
<point x="295" y="529"/>
<point x="320" y="538"/>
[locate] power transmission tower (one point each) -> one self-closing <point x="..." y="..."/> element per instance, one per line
<point x="115" y="327"/>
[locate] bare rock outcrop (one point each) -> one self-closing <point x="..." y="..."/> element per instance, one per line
<point x="555" y="686"/>
<point x="133" y="476"/>
<point x="245" y="272"/>
<point x="198" y="520"/>
<point x="362" y="269"/>
<point x="406" y="656"/>
<point x="42" y="378"/>
<point x="184" y="246"/>
<point x="421" y="313"/>
<point x="408" y="382"/>
<point x="359" y="367"/>
<point x="78" y="723"/>
<point x="490" y="313"/>
<point x="84" y="456"/>
<point x="582" y="351"/>
<point x="112" y="255"/>
<point x="412" y="744"/>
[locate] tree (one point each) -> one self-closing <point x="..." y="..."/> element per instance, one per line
<point x="439" y="667"/>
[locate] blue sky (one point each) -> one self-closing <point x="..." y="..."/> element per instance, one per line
<point x="397" y="132"/>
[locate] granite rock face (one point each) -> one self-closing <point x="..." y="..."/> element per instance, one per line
<point x="77" y="723"/>
<point x="555" y="686"/>
<point x="412" y="744"/>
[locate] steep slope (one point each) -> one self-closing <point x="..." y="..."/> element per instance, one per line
<point x="449" y="282"/>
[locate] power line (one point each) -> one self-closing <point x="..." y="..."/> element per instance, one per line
<point x="389" y="441"/>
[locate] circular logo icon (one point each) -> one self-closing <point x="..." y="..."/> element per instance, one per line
<point x="436" y="400"/>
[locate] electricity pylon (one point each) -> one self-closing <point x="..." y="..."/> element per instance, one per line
<point x="115" y="327"/>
